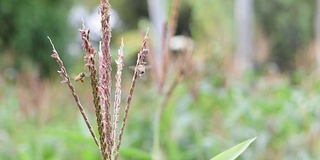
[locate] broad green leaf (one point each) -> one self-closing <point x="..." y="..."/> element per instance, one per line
<point x="234" y="152"/>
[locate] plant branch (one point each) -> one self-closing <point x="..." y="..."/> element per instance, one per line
<point x="140" y="61"/>
<point x="66" y="79"/>
<point x="105" y="73"/>
<point x="117" y="98"/>
<point x="89" y="58"/>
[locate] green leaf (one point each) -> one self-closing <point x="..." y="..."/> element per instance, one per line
<point x="235" y="151"/>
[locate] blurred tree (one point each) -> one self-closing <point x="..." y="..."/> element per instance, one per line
<point x="131" y="12"/>
<point x="184" y="19"/>
<point x="213" y="29"/>
<point x="317" y="31"/>
<point x="157" y="18"/>
<point x="24" y="27"/>
<point x="244" y="42"/>
<point x="289" y="26"/>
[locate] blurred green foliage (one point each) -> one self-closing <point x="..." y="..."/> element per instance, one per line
<point x="25" y="26"/>
<point x="131" y="12"/>
<point x="283" y="113"/>
<point x="284" y="118"/>
<point x="212" y="18"/>
<point x="289" y="25"/>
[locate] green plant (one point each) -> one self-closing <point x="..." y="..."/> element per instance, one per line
<point x="109" y="135"/>
<point x="233" y="152"/>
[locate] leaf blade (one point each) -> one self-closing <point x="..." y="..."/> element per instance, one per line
<point x="233" y="152"/>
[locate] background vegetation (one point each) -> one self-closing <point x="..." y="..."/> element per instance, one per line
<point x="278" y="101"/>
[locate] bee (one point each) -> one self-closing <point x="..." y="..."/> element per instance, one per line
<point x="141" y="69"/>
<point x="80" y="77"/>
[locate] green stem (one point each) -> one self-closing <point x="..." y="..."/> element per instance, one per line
<point x="156" y="133"/>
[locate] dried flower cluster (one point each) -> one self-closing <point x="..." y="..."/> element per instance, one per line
<point x="107" y="119"/>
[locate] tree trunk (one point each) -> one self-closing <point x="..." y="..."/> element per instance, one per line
<point x="244" y="58"/>
<point x="157" y="16"/>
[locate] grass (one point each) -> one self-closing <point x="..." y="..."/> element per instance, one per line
<point x="284" y="118"/>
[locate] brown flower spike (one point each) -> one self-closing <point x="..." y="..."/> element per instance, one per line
<point x="100" y="78"/>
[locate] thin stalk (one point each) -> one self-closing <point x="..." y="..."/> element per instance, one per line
<point x="65" y="76"/>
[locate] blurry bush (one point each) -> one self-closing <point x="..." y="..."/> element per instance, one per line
<point x="131" y="11"/>
<point x="23" y="30"/>
<point x="289" y="25"/>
